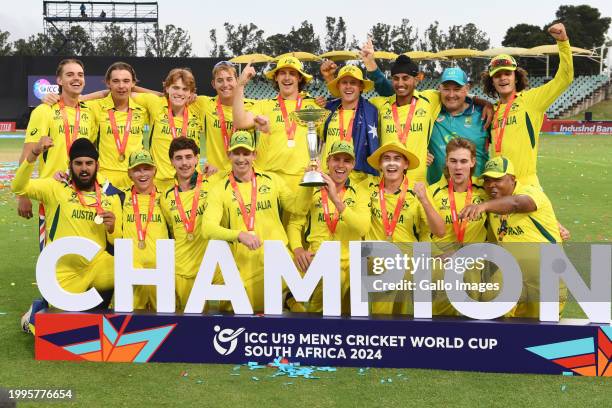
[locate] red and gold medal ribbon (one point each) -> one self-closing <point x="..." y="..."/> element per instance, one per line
<point x="402" y="134"/>
<point x="185" y="121"/>
<point x="348" y="135"/>
<point x="142" y="233"/>
<point x="121" y="144"/>
<point x="290" y="126"/>
<point x="223" y="125"/>
<point x="458" y="227"/>
<point x="501" y="127"/>
<point x="77" y="120"/>
<point x="390" y="225"/>
<point x="247" y="216"/>
<point x="331" y="224"/>
<point x="97" y="204"/>
<point x="189" y="223"/>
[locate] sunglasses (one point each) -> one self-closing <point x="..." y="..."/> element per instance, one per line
<point x="502" y="63"/>
<point x="223" y="64"/>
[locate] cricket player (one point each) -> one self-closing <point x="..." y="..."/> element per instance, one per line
<point x="519" y="113"/>
<point x="81" y="208"/>
<point x="282" y="147"/>
<point x="397" y="212"/>
<point x="456" y="189"/>
<point x="518" y="213"/>
<point x="143" y="221"/>
<point x="183" y="208"/>
<point x="338" y="212"/>
<point x="121" y="123"/>
<point x="244" y="208"/>
<point x="352" y="119"/>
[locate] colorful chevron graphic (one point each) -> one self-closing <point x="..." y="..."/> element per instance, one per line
<point x="590" y="356"/>
<point x="110" y="340"/>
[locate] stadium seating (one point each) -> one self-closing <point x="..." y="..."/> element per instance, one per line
<point x="581" y="88"/>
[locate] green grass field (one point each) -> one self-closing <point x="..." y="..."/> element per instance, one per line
<point x="575" y="173"/>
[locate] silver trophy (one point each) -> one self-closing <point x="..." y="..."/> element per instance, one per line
<point x="311" y="118"/>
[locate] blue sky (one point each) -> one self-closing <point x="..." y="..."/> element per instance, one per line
<point x="198" y="17"/>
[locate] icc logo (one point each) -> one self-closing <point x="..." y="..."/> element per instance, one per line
<point x="226" y="336"/>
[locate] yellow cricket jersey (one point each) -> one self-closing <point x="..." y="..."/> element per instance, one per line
<point x="353" y="222"/>
<point x="105" y="141"/>
<point x="410" y="225"/>
<point x="187" y="254"/>
<point x="333" y="133"/>
<point x="216" y="152"/>
<point x="273" y="152"/>
<point x="540" y="225"/>
<point x="161" y="134"/>
<point x="47" y="120"/>
<point x="522" y="131"/>
<point x="475" y="231"/>
<point x="426" y="111"/>
<point x="70" y="217"/>
<point x="156" y="229"/>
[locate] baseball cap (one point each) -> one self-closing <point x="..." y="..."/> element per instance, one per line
<point x="289" y="62"/>
<point x="140" y="157"/>
<point x="498" y="167"/>
<point x="354" y="72"/>
<point x="242" y="138"/>
<point x="502" y="62"/>
<point x="342" y="146"/>
<point x="454" y="74"/>
<point x="374" y="159"/>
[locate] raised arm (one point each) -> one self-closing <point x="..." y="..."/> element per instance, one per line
<point x="242" y="118"/>
<point x="381" y="83"/>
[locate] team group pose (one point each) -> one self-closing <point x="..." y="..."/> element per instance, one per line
<point x="406" y="166"/>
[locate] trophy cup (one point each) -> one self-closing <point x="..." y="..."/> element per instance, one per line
<point x="311" y="118"/>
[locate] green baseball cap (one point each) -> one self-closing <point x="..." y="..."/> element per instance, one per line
<point x="341" y="146"/>
<point x="498" y="167"/>
<point x="242" y="138"/>
<point x="140" y="157"/>
<point x="502" y="62"/>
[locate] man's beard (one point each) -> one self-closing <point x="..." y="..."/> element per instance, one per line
<point x="81" y="185"/>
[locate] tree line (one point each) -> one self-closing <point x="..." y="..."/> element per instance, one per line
<point x="585" y="25"/>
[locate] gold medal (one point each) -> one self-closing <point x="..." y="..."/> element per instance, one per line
<point x="291" y="143"/>
<point x="389" y="238"/>
<point x="190" y="237"/>
<point x="141" y="245"/>
<point x="122" y="157"/>
<point x="98" y="219"/>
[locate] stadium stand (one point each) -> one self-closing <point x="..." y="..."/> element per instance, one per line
<point x="582" y="88"/>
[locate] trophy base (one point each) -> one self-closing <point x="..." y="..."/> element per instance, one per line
<point x="313" y="179"/>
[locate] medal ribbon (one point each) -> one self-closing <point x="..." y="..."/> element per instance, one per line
<point x="223" y="124"/>
<point x="185" y="121"/>
<point x="121" y="144"/>
<point x="390" y="225"/>
<point x="247" y="217"/>
<point x="139" y="231"/>
<point x="77" y="120"/>
<point x="402" y="135"/>
<point x="502" y="127"/>
<point x="459" y="229"/>
<point x="97" y="204"/>
<point x="289" y="127"/>
<point x="189" y="223"/>
<point x="348" y="135"/>
<point x="331" y="224"/>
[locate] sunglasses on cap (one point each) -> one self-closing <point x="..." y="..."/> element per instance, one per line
<point x="502" y="63"/>
<point x="223" y="64"/>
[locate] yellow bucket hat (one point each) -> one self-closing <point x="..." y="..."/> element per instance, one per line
<point x="289" y="62"/>
<point x="352" y="71"/>
<point x="374" y="159"/>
